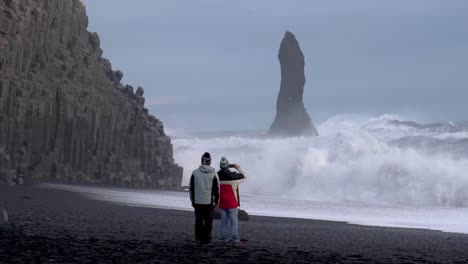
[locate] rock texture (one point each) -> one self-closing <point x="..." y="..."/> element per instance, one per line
<point x="291" y="116"/>
<point x="64" y="113"/>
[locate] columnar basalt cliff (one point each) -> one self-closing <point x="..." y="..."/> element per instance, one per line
<point x="291" y="116"/>
<point x="64" y="113"/>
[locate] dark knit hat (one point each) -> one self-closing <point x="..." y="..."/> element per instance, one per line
<point x="206" y="159"/>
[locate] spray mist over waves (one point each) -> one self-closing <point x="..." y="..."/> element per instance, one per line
<point x="355" y="159"/>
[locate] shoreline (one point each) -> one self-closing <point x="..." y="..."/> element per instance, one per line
<point x="445" y="219"/>
<point x="56" y="226"/>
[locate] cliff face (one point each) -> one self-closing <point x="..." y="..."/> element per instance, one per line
<point x="63" y="112"/>
<point x="291" y="116"/>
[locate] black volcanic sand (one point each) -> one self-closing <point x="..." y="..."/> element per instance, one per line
<point x="54" y="226"/>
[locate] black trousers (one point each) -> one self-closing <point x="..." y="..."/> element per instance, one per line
<point x="203" y="222"/>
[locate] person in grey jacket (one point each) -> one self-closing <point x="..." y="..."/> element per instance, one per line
<point x="204" y="195"/>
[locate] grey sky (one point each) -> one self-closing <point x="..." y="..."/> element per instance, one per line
<point x="212" y="64"/>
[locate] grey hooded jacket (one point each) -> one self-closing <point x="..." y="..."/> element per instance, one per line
<point x="204" y="186"/>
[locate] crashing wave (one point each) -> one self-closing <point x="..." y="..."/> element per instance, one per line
<point x="375" y="161"/>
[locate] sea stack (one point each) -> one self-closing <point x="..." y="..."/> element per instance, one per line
<point x="64" y="114"/>
<point x="291" y="116"/>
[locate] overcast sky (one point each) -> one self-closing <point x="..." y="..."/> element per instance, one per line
<point x="212" y="64"/>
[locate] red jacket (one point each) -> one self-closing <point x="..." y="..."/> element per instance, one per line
<point x="229" y="188"/>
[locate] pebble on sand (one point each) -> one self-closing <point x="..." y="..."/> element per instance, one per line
<point x="4" y="215"/>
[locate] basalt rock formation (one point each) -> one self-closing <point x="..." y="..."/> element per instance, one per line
<point x="291" y="116"/>
<point x="64" y="114"/>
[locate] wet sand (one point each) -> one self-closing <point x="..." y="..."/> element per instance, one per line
<point x="55" y="226"/>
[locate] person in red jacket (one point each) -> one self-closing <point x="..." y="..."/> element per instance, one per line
<point x="229" y="200"/>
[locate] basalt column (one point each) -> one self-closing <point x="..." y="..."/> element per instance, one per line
<point x="64" y="114"/>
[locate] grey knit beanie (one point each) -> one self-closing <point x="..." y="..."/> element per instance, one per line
<point x="224" y="163"/>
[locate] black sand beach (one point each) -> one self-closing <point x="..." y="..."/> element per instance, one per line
<point x="54" y="226"/>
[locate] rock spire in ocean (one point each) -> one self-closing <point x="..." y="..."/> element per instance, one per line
<point x="291" y="116"/>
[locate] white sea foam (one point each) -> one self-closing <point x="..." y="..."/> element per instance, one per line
<point x="367" y="160"/>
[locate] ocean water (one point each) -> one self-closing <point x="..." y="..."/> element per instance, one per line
<point x="378" y="171"/>
<point x="376" y="161"/>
